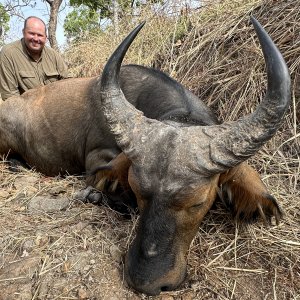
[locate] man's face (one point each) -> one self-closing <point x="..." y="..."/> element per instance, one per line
<point x="35" y="35"/>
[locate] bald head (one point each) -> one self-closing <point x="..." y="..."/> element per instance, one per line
<point x="34" y="34"/>
<point x="35" y="20"/>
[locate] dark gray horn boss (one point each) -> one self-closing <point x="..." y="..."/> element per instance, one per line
<point x="215" y="148"/>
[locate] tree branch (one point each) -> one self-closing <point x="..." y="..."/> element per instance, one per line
<point x="54" y="9"/>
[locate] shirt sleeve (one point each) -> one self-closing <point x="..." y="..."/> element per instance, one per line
<point x="8" y="79"/>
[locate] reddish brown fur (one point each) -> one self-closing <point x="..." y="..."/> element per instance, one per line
<point x="135" y="188"/>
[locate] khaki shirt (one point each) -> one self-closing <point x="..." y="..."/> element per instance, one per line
<point x="19" y="72"/>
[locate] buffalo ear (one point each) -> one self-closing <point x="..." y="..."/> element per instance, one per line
<point x="112" y="187"/>
<point x="108" y="177"/>
<point x="246" y="196"/>
<point x="120" y="167"/>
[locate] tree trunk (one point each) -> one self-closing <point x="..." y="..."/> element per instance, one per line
<point x="116" y="16"/>
<point x="54" y="8"/>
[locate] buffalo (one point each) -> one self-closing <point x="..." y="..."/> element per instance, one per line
<point x="140" y="135"/>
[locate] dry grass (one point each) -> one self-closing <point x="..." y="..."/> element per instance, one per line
<point x="72" y="253"/>
<point x="87" y="58"/>
<point x="75" y="252"/>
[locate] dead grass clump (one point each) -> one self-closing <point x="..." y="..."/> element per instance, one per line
<point x="87" y="57"/>
<point x="58" y="252"/>
<point x="221" y="61"/>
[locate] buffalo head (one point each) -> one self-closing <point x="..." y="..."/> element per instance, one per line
<point x="175" y="169"/>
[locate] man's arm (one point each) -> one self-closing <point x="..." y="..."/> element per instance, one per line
<point x="8" y="82"/>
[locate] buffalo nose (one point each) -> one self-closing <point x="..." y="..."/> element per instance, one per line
<point x="151" y="272"/>
<point x="162" y="284"/>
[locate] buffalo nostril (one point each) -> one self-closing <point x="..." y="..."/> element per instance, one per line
<point x="165" y="288"/>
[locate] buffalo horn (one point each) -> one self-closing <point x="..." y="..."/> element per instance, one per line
<point x="210" y="149"/>
<point x="239" y="140"/>
<point x="121" y="116"/>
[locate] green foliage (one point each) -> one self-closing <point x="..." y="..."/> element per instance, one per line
<point x="105" y="7"/>
<point x="91" y="4"/>
<point x="87" y="15"/>
<point x="4" y="19"/>
<point x="101" y="6"/>
<point x="81" y="22"/>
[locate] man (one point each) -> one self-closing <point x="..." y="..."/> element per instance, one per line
<point x="28" y="63"/>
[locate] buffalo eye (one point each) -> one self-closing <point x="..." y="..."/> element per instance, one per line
<point x="195" y="207"/>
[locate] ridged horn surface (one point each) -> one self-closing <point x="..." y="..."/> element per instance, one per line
<point x="234" y="142"/>
<point x="121" y="116"/>
<point x="203" y="149"/>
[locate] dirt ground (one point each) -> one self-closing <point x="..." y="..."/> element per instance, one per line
<point x="53" y="246"/>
